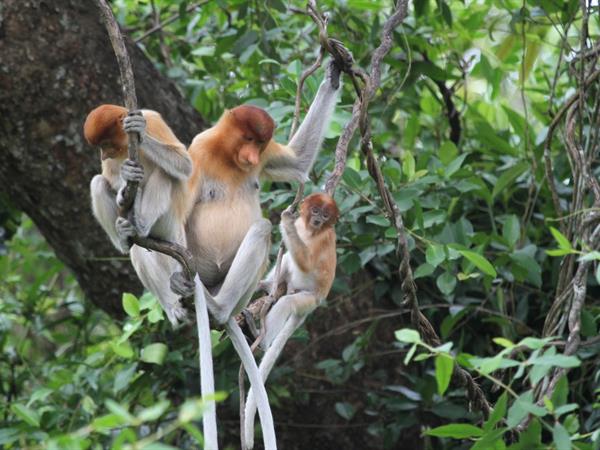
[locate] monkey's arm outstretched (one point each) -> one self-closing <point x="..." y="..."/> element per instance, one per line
<point x="294" y="161"/>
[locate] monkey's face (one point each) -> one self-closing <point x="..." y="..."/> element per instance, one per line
<point x="254" y="129"/>
<point x="248" y="156"/>
<point x="319" y="211"/>
<point x="110" y="149"/>
<point x="318" y="217"/>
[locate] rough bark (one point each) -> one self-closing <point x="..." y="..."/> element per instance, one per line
<point x="57" y="64"/>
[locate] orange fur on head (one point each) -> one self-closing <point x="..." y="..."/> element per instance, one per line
<point x="103" y="125"/>
<point x="325" y="203"/>
<point x="240" y="136"/>
<point x="254" y="123"/>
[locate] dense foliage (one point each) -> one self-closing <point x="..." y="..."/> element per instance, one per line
<point x="467" y="99"/>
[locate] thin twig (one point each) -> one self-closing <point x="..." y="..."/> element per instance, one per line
<point x="169" y="21"/>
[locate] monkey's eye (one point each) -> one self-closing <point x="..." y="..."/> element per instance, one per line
<point x="325" y="216"/>
<point x="315" y="210"/>
<point x="248" y="138"/>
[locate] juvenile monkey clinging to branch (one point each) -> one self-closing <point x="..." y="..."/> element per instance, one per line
<point x="307" y="270"/>
<point x="160" y="204"/>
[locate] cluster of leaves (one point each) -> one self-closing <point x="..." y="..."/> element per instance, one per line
<point x="531" y="359"/>
<point x="71" y="378"/>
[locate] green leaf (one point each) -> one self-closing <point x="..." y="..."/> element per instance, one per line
<point x="557" y="361"/>
<point x="455" y="165"/>
<point x="456" y="431"/>
<point x="28" y="415"/>
<point x="408" y="165"/>
<point x="119" y="410"/>
<point x="561" y="392"/>
<point x="533" y="343"/>
<point x="410" y="354"/>
<point x="448" y="152"/>
<point x="511" y="231"/>
<point x="566" y="409"/>
<point x="444" y="365"/>
<point x="407" y="335"/>
<point x="195" y="433"/>
<point x="446" y="283"/>
<point x="108" y="421"/>
<point x="9" y="435"/>
<point x="352" y="178"/>
<point x="435" y="254"/>
<point x="559" y="252"/>
<point x="480" y="262"/>
<point x="154" y="353"/>
<point x="490" y="440"/>
<point x="561" y="437"/>
<point x="131" y="305"/>
<point x="498" y="413"/>
<point x="39" y="394"/>
<point x="154" y="411"/>
<point x="588" y="324"/>
<point x="345" y="410"/>
<point x="124" y="349"/>
<point x="378" y="220"/>
<point x="530" y="265"/>
<point x="503" y="342"/>
<point x="191" y="410"/>
<point x="522" y="406"/>
<point x="509" y="176"/>
<point x="562" y="240"/>
<point x="591" y="256"/>
<point x="423" y="270"/>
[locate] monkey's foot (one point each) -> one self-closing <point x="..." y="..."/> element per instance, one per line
<point x="125" y="231"/>
<point x="182" y="285"/>
<point x="176" y="314"/>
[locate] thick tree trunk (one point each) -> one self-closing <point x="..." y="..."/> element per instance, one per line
<point x="56" y="64"/>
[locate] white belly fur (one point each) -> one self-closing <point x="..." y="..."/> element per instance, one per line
<point x="215" y="231"/>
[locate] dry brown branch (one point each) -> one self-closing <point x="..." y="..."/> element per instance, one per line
<point x="129" y="96"/>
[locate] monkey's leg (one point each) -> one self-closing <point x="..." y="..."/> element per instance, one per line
<point x="264" y="409"/>
<point x="245" y="272"/>
<point x="104" y="208"/>
<point x="281" y="323"/>
<point x="152" y="202"/>
<point x="207" y="378"/>
<point x="154" y="270"/>
<point x="299" y="304"/>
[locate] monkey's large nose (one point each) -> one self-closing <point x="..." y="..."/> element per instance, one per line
<point x="252" y="158"/>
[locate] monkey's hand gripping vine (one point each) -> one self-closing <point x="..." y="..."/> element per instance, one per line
<point x="159" y="206"/>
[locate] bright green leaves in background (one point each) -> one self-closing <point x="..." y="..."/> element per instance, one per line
<point x="511" y="409"/>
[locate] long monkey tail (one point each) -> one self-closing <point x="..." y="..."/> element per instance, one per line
<point x="266" y="365"/>
<point x="207" y="378"/>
